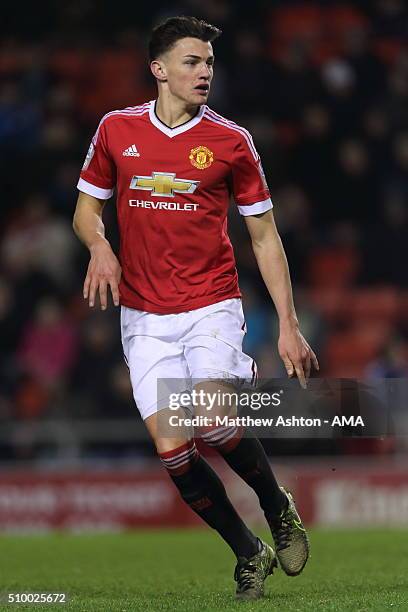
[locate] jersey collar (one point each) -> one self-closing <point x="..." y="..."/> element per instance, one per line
<point x="171" y="132"/>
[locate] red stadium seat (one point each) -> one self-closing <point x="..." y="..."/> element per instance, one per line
<point x="333" y="267"/>
<point x="379" y="304"/>
<point x="329" y="302"/>
<point x="340" y="19"/>
<point x="301" y="22"/>
<point x="349" y="352"/>
<point x="388" y="50"/>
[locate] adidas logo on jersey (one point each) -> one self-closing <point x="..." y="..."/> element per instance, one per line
<point x="131" y="152"/>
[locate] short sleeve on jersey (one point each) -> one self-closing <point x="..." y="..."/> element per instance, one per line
<point x="98" y="174"/>
<point x="250" y="189"/>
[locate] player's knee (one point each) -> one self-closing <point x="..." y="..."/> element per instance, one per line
<point x="178" y="458"/>
<point x="223" y="438"/>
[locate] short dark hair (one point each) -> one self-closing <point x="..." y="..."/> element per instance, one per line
<point x="167" y="33"/>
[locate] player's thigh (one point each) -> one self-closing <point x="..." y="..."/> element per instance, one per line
<point x="213" y="346"/>
<point x="215" y="398"/>
<point x="156" y="361"/>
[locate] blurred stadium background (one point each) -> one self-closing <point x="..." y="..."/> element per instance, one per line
<point x="323" y="87"/>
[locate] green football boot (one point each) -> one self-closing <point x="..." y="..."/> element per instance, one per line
<point x="291" y="541"/>
<point x="250" y="574"/>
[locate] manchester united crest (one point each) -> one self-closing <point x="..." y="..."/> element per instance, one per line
<point x="201" y="157"/>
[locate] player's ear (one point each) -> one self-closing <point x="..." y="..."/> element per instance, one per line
<point x="159" y="70"/>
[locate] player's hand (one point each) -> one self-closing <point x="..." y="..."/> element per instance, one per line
<point x="103" y="271"/>
<point x="296" y="354"/>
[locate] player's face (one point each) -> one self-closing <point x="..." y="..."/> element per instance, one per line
<point x="189" y="70"/>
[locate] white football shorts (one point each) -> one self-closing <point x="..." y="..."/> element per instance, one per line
<point x="196" y="345"/>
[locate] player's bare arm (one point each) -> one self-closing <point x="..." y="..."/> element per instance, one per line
<point x="294" y="350"/>
<point x="104" y="269"/>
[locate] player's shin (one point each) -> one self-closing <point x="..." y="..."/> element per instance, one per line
<point x="246" y="456"/>
<point x="204" y="492"/>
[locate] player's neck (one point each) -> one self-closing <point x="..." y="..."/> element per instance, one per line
<point x="172" y="111"/>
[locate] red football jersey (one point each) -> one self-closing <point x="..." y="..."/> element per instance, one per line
<point x="174" y="187"/>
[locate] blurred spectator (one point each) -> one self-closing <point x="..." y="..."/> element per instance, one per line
<point x="252" y="68"/>
<point x="48" y="346"/>
<point x="356" y="194"/>
<point x="342" y="97"/>
<point x="9" y="330"/>
<point x="368" y="71"/>
<point x="313" y="161"/>
<point x="292" y="212"/>
<point x="390" y="18"/>
<point x="397" y="94"/>
<point x="295" y="83"/>
<point x="258" y="315"/>
<point x="34" y="235"/>
<point x="20" y="120"/>
<point x="376" y="133"/>
<point x="392" y="362"/>
<point x="98" y="355"/>
<point x="385" y="245"/>
<point x="118" y="403"/>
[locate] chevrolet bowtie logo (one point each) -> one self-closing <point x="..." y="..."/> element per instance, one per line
<point x="163" y="184"/>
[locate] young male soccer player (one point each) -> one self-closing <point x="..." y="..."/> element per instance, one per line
<point x="175" y="163"/>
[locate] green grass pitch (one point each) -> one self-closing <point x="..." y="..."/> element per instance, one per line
<point x="191" y="571"/>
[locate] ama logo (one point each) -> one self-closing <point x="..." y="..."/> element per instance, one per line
<point x="350" y="421"/>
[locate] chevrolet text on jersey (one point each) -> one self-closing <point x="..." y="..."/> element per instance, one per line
<point x="163" y="205"/>
<point x="175" y="262"/>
